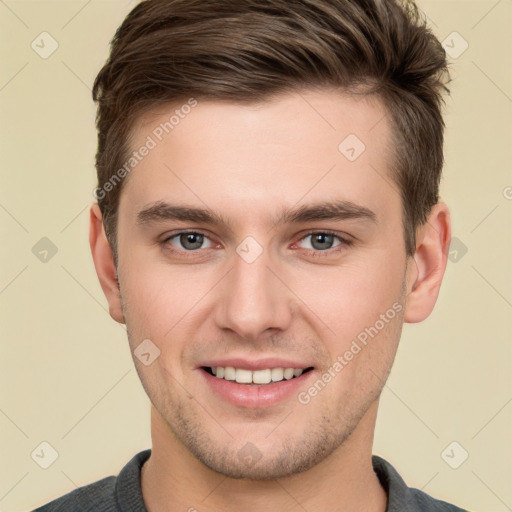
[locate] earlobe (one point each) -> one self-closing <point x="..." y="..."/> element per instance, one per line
<point x="104" y="264"/>
<point x="426" y="272"/>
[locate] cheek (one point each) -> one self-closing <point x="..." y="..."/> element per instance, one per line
<point x="351" y="297"/>
<point x="156" y="309"/>
<point x="162" y="302"/>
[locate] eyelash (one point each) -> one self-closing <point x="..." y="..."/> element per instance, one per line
<point x="344" y="243"/>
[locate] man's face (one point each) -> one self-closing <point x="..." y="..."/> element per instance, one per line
<point x="270" y="287"/>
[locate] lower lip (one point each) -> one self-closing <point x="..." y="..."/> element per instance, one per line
<point x="255" y="396"/>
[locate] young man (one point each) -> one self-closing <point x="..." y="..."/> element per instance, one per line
<point x="267" y="220"/>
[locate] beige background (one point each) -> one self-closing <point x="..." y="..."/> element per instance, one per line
<point x="67" y="377"/>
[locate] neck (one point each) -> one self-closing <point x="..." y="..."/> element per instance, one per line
<point x="174" y="480"/>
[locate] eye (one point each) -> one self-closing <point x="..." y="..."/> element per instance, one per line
<point x="322" y="241"/>
<point x="189" y="241"/>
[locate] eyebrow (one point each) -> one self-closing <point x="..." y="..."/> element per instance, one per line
<point x="329" y="210"/>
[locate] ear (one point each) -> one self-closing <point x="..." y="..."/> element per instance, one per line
<point x="104" y="264"/>
<point x="427" y="266"/>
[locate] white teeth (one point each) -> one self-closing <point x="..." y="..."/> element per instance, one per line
<point x="265" y="376"/>
<point x="262" y="376"/>
<point x="229" y="373"/>
<point x="277" y="374"/>
<point x="243" y="376"/>
<point x="288" y="373"/>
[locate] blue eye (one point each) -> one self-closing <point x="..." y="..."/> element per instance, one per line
<point x="322" y="241"/>
<point x="315" y="242"/>
<point x="189" y="241"/>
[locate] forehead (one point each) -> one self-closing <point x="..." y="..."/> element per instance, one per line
<point x="294" y="113"/>
<point x="298" y="144"/>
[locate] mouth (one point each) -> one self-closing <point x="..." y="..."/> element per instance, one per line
<point x="260" y="377"/>
<point x="262" y="387"/>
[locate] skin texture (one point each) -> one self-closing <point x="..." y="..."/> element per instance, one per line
<point x="248" y="163"/>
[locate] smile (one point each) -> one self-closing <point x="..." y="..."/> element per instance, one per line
<point x="264" y="376"/>
<point x="262" y="387"/>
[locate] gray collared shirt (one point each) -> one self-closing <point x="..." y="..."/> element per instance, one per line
<point x="123" y="493"/>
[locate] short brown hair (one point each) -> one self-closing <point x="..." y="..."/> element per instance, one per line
<point x="248" y="50"/>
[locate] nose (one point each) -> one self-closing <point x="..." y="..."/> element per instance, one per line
<point x="253" y="299"/>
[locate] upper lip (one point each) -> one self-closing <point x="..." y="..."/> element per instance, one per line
<point x="260" y="364"/>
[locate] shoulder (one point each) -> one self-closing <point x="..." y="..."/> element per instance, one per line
<point x="401" y="497"/>
<point x="110" y="494"/>
<point x="99" y="495"/>
<point x="419" y="500"/>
